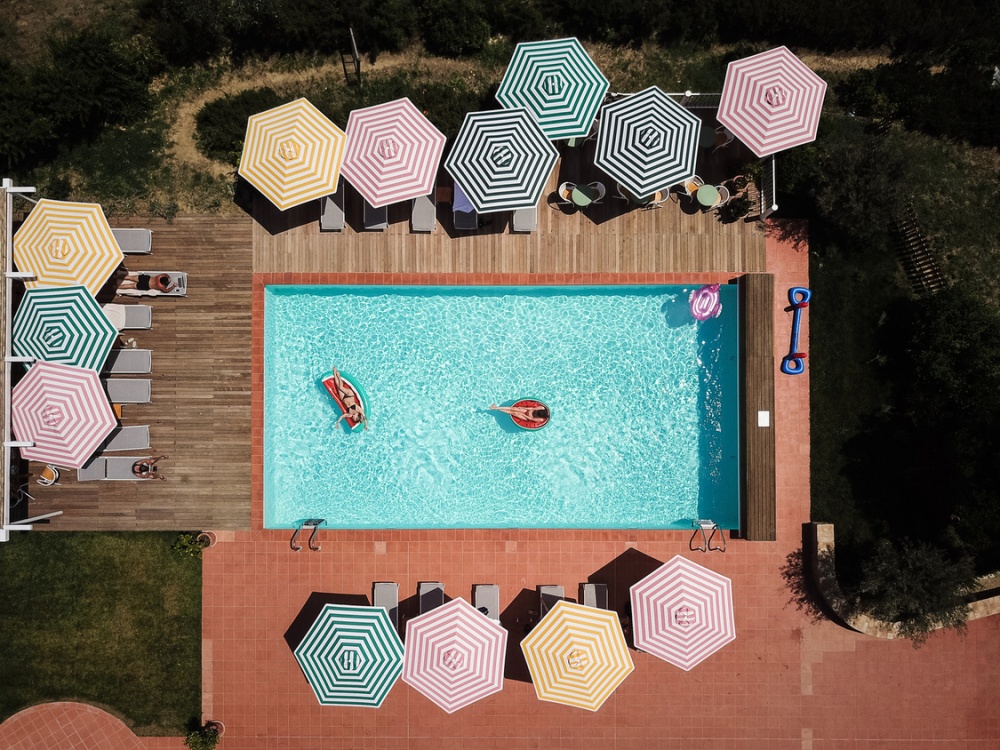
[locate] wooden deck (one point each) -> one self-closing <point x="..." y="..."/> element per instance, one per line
<point x="200" y="414"/>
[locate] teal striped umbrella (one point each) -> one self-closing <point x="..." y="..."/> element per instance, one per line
<point x="64" y="325"/>
<point x="502" y="160"/>
<point x="351" y="656"/>
<point x="557" y="81"/>
<point x="648" y="142"/>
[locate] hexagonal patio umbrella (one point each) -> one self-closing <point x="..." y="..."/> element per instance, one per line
<point x="577" y="655"/>
<point x="64" y="411"/>
<point x="682" y="612"/>
<point x="393" y="152"/>
<point x="558" y="81"/>
<point x="292" y="154"/>
<point x="771" y="101"/>
<point x="65" y="243"/>
<point x="454" y="655"/>
<point x="502" y="160"/>
<point x="63" y="324"/>
<point x="351" y="656"/>
<point x="648" y="142"/>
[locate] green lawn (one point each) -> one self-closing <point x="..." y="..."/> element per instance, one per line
<point x="108" y="619"/>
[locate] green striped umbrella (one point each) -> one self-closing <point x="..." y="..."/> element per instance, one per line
<point x="501" y="160"/>
<point x="648" y="142"/>
<point x="351" y="656"/>
<point x="63" y="324"/>
<point x="557" y="81"/>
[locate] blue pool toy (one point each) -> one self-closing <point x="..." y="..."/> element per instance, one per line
<point x="794" y="362"/>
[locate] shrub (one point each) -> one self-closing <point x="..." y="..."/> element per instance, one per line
<point x="221" y="124"/>
<point x="453" y="28"/>
<point x="204" y="738"/>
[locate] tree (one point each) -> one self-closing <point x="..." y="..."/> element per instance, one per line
<point x="453" y="28"/>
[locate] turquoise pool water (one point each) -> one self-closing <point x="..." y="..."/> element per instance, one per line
<point x="644" y="399"/>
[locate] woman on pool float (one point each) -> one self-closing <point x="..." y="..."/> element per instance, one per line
<point x="537" y="415"/>
<point x="355" y="409"/>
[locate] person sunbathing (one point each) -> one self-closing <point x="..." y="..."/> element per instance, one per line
<point x="146" y="468"/>
<point x="535" y="414"/>
<point x="143" y="282"/>
<point x="354" y="410"/>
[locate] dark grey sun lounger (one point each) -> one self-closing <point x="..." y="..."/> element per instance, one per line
<point x="486" y="598"/>
<point x="547" y="598"/>
<point x="115" y="468"/>
<point x="134" y="241"/>
<point x="376" y="219"/>
<point x="131" y="438"/>
<point x="128" y="362"/>
<point x="128" y="390"/>
<point x="331" y="210"/>
<point x="386" y="595"/>
<point x="525" y="219"/>
<point x="594" y="595"/>
<point x="431" y="594"/>
<point x="424" y="215"/>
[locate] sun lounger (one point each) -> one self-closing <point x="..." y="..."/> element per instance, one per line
<point x="129" y="317"/>
<point x="129" y="362"/>
<point x="594" y="595"/>
<point x="176" y="277"/>
<point x="331" y="210"/>
<point x="525" y="219"/>
<point x="134" y="241"/>
<point x="486" y="598"/>
<point x="386" y="596"/>
<point x="463" y="213"/>
<point x="376" y="219"/>
<point x="131" y="438"/>
<point x="113" y="468"/>
<point x="128" y="390"/>
<point x="547" y="598"/>
<point x="431" y="595"/>
<point x="424" y="215"/>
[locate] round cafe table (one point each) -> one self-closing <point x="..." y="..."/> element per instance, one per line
<point x="708" y="195"/>
<point x="582" y="195"/>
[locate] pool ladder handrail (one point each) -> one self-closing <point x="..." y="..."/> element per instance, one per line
<point x="312" y="523"/>
<point x="702" y="526"/>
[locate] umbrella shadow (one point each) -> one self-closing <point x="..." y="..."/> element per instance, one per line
<point x="274" y="220"/>
<point x="410" y="608"/>
<point x="311" y="609"/>
<point x="491" y="223"/>
<point x="620" y="575"/>
<point x="518" y="619"/>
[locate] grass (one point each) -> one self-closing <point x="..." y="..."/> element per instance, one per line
<point x="107" y="619"/>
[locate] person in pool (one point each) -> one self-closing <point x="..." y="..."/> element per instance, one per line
<point x="536" y="414"/>
<point x="145" y="468"/>
<point x="354" y="409"/>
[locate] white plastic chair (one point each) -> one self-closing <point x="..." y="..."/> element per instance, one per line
<point x="48" y="476"/>
<point x="599" y="191"/>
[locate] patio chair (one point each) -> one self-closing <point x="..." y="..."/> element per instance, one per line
<point x="176" y="277"/>
<point x="386" y="595"/>
<point x="594" y="595"/>
<point x="463" y="213"/>
<point x="331" y="210"/>
<point x="723" y="138"/>
<point x="486" y="598"/>
<point x="688" y="187"/>
<point x="134" y="241"/>
<point x="724" y="195"/>
<point x="423" y="218"/>
<point x="131" y="438"/>
<point x="431" y="595"/>
<point x="599" y="191"/>
<point x="565" y="192"/>
<point x="48" y="476"/>
<point x="547" y="598"/>
<point x="128" y="362"/>
<point x="112" y="468"/>
<point x="524" y="219"/>
<point x="376" y="219"/>
<point x="707" y="528"/>
<point x="128" y="390"/>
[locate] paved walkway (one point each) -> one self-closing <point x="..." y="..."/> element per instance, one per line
<point x="67" y="726"/>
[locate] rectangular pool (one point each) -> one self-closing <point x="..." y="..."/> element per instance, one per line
<point x="644" y="399"/>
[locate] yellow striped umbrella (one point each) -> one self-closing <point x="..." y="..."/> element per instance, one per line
<point x="577" y="655"/>
<point x="67" y="244"/>
<point x="292" y="154"/>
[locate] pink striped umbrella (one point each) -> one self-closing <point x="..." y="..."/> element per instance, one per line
<point x="683" y="613"/>
<point x="393" y="152"/>
<point x="64" y="411"/>
<point x="771" y="101"/>
<point x="454" y="655"/>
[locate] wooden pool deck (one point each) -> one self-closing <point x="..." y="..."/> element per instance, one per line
<point x="204" y="348"/>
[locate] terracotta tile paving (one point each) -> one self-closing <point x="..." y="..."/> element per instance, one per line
<point x="68" y="726"/>
<point x="786" y="682"/>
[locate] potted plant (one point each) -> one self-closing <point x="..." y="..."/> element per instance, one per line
<point x="190" y="544"/>
<point x="739" y="206"/>
<point x="205" y="737"/>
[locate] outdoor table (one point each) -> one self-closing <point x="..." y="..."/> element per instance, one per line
<point x="708" y="195"/>
<point x="582" y="195"/>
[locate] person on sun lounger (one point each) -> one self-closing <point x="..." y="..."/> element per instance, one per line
<point x="529" y="414"/>
<point x="144" y="282"/>
<point x="145" y="468"/>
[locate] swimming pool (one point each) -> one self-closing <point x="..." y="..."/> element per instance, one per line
<point x="644" y="399"/>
